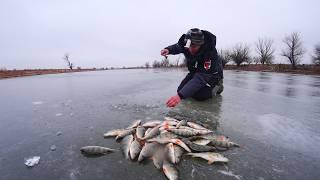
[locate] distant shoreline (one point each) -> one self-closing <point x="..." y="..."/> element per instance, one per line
<point x="279" y="68"/>
<point x="4" y="74"/>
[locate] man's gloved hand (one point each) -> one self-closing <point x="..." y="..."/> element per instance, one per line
<point x="164" y="52"/>
<point x="173" y="101"/>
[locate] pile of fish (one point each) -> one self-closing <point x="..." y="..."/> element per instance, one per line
<point x="165" y="142"/>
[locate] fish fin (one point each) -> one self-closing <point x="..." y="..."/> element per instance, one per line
<point x="210" y="161"/>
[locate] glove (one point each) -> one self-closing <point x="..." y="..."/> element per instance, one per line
<point x="173" y="101"/>
<point x="164" y="52"/>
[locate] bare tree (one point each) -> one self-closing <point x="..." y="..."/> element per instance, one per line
<point x="165" y="62"/>
<point x="294" y="49"/>
<point x="225" y="56"/>
<point x="240" y="54"/>
<point x="316" y="56"/>
<point x="147" y="65"/>
<point x="256" y="60"/>
<point x="67" y="59"/>
<point x="265" y="51"/>
<point x="156" y="64"/>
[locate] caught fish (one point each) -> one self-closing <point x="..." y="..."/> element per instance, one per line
<point x="170" y="119"/>
<point x="183" y="132"/>
<point x="224" y="143"/>
<point x="96" y="150"/>
<point x="158" y="158"/>
<point x="147" y="150"/>
<point x="170" y="171"/>
<point x="169" y="140"/>
<point x="164" y="127"/>
<point x="124" y="133"/>
<point x="126" y="143"/>
<point x="181" y="144"/>
<point x="159" y="140"/>
<point x="170" y="152"/>
<point x="215" y="137"/>
<point x="169" y="135"/>
<point x="178" y="152"/>
<point x="210" y="156"/>
<point x="147" y="131"/>
<point x="113" y="133"/>
<point x="195" y="126"/>
<point x="220" y="141"/>
<point x="134" y="124"/>
<point x="140" y="132"/>
<point x="198" y="148"/>
<point x="135" y="149"/>
<point x="153" y="132"/>
<point x="189" y="132"/>
<point x="174" y="153"/>
<point x="181" y="123"/>
<point x="169" y="123"/>
<point x="163" y="131"/>
<point x="152" y="123"/>
<point x="201" y="141"/>
<point x="200" y="131"/>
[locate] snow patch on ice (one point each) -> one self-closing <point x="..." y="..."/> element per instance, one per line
<point x="59" y="114"/>
<point x="30" y="162"/>
<point x="37" y="102"/>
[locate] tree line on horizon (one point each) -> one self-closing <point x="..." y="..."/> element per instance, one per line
<point x="265" y="53"/>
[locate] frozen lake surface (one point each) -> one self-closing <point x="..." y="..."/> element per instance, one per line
<point x="275" y="117"/>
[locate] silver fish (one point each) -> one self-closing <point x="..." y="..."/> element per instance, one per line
<point x="210" y="156"/>
<point x="134" y="124"/>
<point x="198" y="148"/>
<point x="124" y="133"/>
<point x="158" y="158"/>
<point x="147" y="151"/>
<point x="164" y="127"/>
<point x="147" y="131"/>
<point x="183" y="132"/>
<point x="195" y="126"/>
<point x="167" y="135"/>
<point x="181" y="144"/>
<point x="135" y="149"/>
<point x="153" y="132"/>
<point x="152" y="123"/>
<point x="170" y="152"/>
<point x="220" y="141"/>
<point x="168" y="140"/>
<point x="169" y="123"/>
<point x="140" y="132"/>
<point x="178" y="152"/>
<point x="181" y="123"/>
<point x="113" y="133"/>
<point x="200" y="131"/>
<point x="126" y="143"/>
<point x="174" y="153"/>
<point x="170" y="119"/>
<point x="223" y="143"/>
<point x="170" y="171"/>
<point x="187" y="132"/>
<point x="96" y="150"/>
<point x="201" y="141"/>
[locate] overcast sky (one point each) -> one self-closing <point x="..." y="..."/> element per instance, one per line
<point x="100" y="33"/>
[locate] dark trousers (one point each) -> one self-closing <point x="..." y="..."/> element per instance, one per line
<point x="202" y="94"/>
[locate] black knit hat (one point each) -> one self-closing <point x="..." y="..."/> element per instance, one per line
<point x="196" y="36"/>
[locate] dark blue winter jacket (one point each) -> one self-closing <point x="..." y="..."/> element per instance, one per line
<point x="206" y="66"/>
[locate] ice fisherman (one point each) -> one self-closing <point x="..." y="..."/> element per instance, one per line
<point x="204" y="79"/>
